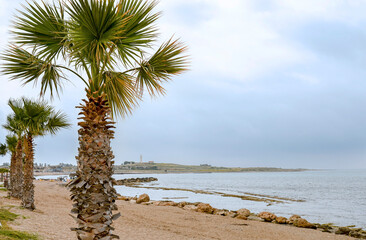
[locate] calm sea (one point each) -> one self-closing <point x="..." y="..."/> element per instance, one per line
<point x="328" y="196"/>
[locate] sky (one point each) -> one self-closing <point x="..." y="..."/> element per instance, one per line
<point x="272" y="83"/>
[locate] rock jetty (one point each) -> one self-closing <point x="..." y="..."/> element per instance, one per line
<point x="134" y="181"/>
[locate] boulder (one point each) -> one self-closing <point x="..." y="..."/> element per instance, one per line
<point x="243" y="213"/>
<point x="221" y="212"/>
<point x="293" y="218"/>
<point x="169" y="203"/>
<point x="143" y="198"/>
<point x="182" y="204"/>
<point x="302" y="223"/>
<point x="281" y="220"/>
<point x="267" y="216"/>
<point x="204" y="208"/>
<point x="190" y="207"/>
<point x="355" y="234"/>
<point x="123" y="198"/>
<point x="343" y="230"/>
<point x="231" y="214"/>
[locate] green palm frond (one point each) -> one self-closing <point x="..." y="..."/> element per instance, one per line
<point x="121" y="95"/>
<point x="56" y="121"/>
<point x="36" y="118"/>
<point x="139" y="31"/>
<point x="42" y="25"/>
<point x="97" y="37"/>
<point x="3" y="149"/>
<point x="94" y="27"/>
<point x="166" y="62"/>
<point x="21" y="64"/>
<point x="11" y="143"/>
<point x="13" y="125"/>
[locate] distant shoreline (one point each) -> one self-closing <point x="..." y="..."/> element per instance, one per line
<point x="128" y="172"/>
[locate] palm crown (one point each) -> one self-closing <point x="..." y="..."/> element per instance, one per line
<point x="106" y="43"/>
<point x="11" y="143"/>
<point x="35" y="118"/>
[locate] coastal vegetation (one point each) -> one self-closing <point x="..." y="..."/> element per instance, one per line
<point x="107" y="42"/>
<point x="29" y="119"/>
<point x="6" y="233"/>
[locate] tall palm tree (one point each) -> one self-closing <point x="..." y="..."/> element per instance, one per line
<point x="109" y="46"/>
<point x="11" y="144"/>
<point x="14" y="126"/>
<point x="37" y="118"/>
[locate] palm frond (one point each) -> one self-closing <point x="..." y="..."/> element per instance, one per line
<point x="3" y="149"/>
<point x="37" y="118"/>
<point x="121" y="95"/>
<point x="165" y="63"/>
<point x="94" y="27"/>
<point x="21" y="64"/>
<point x="11" y="142"/>
<point x="56" y="121"/>
<point x="42" y="25"/>
<point x="139" y="31"/>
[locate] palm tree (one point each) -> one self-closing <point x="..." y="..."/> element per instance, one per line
<point x="11" y="144"/>
<point x="108" y="45"/>
<point x="37" y="118"/>
<point x="14" y="126"/>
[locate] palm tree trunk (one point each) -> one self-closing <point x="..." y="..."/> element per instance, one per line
<point x="92" y="190"/>
<point x="12" y="170"/>
<point x="28" y="187"/>
<point x="17" y="181"/>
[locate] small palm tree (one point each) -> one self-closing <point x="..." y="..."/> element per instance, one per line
<point x="108" y="45"/>
<point x="37" y="119"/>
<point x="14" y="126"/>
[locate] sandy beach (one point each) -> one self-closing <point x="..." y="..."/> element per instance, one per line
<point x="51" y="220"/>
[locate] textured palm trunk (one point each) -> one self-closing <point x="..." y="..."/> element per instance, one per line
<point x="12" y="171"/>
<point x="28" y="187"/>
<point x="17" y="181"/>
<point x="92" y="190"/>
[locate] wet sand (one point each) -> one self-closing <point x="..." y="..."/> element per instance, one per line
<point x="51" y="220"/>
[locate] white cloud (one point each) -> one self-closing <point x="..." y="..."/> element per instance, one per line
<point x="233" y="40"/>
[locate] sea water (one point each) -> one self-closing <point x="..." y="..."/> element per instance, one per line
<point x="327" y="196"/>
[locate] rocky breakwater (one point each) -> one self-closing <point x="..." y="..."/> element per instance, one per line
<point x="134" y="181"/>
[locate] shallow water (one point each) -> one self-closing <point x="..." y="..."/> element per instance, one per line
<point x="331" y="196"/>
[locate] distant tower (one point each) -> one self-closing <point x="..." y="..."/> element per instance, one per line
<point x="140" y="158"/>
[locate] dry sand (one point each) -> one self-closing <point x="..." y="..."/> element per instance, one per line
<point x="51" y="220"/>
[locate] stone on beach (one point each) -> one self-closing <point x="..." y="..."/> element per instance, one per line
<point x="167" y="203"/>
<point x="182" y="204"/>
<point x="143" y="198"/>
<point x="293" y="218"/>
<point x="243" y="213"/>
<point x="281" y="220"/>
<point x="267" y="216"/>
<point x="205" y="208"/>
<point x="343" y="230"/>
<point x="190" y="207"/>
<point x="302" y="223"/>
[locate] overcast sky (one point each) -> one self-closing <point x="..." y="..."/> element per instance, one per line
<point x="272" y="84"/>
